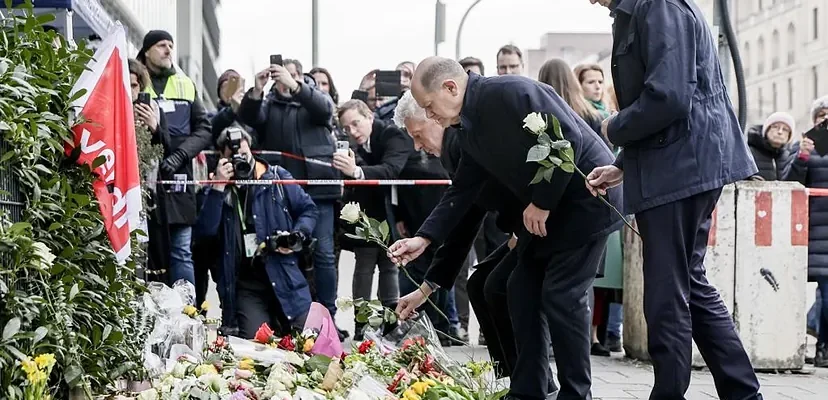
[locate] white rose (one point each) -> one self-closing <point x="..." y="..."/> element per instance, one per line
<point x="44" y="254"/>
<point x="350" y="213"/>
<point x="344" y="303"/>
<point x="535" y="123"/>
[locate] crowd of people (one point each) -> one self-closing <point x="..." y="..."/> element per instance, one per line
<point x="302" y="115"/>
<point x="272" y="250"/>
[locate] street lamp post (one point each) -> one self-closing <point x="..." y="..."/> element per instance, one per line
<point x="315" y="33"/>
<point x="460" y="30"/>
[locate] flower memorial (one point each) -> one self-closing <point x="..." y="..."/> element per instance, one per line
<point x="553" y="154"/>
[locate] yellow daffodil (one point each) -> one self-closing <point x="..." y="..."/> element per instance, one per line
<point x="308" y="345"/>
<point x="29" y="367"/>
<point x="205" y="306"/>
<point x="420" y="387"/>
<point x="247" y="364"/>
<point x="430" y="382"/>
<point x="45" y="361"/>
<point x="190" y="310"/>
<point x="410" y="394"/>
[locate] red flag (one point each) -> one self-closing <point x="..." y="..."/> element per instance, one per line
<point x="109" y="132"/>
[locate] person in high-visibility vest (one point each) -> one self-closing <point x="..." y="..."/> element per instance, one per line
<point x="187" y="134"/>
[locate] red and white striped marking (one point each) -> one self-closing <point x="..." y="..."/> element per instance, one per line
<point x="763" y="217"/>
<point x="312" y="182"/>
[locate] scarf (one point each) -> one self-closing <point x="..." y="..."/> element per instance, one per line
<point x="601" y="107"/>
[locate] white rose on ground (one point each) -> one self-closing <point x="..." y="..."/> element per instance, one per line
<point x="344" y="303"/>
<point x="535" y="123"/>
<point x="350" y="212"/>
<point x="149" y="394"/>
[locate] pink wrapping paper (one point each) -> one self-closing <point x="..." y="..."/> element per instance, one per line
<point x="327" y="343"/>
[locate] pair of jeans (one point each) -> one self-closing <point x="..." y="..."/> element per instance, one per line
<point x="181" y="254"/>
<point x="324" y="259"/>
<point x="257" y="304"/>
<point x="367" y="259"/>
<point x="616" y="320"/>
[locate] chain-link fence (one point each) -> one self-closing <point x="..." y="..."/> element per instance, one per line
<point x="11" y="201"/>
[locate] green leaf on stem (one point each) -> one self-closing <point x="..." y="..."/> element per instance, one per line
<point x="11" y="328"/>
<point x="538" y="152"/>
<point x="352" y="236"/>
<point x="568" y="167"/>
<point x="40" y="333"/>
<point x="560" y="144"/>
<point x="548" y="174"/>
<point x="546" y="163"/>
<point x="384" y="230"/>
<point x="555" y="161"/>
<point x="556" y="127"/>
<point x="544" y="138"/>
<point x="375" y="321"/>
<point x="538" y="175"/>
<point x="568" y="154"/>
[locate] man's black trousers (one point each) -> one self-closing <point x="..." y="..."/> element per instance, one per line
<point x="554" y="286"/>
<point x="680" y="304"/>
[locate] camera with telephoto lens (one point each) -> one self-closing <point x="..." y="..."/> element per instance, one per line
<point x="241" y="167"/>
<point x="294" y="241"/>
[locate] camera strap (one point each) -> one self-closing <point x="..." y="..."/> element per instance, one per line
<point x="248" y="239"/>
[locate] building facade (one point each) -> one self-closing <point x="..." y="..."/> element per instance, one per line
<point x="194" y="27"/>
<point x="784" y="52"/>
<point x="574" y="48"/>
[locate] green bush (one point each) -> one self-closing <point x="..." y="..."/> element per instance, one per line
<point x="76" y="306"/>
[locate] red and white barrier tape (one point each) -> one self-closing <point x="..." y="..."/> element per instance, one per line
<point x="311" y="182"/>
<point x="281" y="154"/>
<point x="817" y="192"/>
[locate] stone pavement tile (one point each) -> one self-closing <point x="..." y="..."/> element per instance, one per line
<point x="615" y="391"/>
<point x="642" y="377"/>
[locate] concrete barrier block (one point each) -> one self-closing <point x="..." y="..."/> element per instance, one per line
<point x="771" y="272"/>
<point x="720" y="260"/>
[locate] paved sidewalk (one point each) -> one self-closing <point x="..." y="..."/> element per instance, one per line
<point x="621" y="378"/>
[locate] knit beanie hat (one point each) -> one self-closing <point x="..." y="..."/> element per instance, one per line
<point x="782" y="117"/>
<point x="151" y="38"/>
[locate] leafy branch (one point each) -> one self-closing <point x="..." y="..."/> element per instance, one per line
<point x="552" y="154"/>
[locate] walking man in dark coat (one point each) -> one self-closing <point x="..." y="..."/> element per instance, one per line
<point x="565" y="229"/>
<point x="682" y="144"/>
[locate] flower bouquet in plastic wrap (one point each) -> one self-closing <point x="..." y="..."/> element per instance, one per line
<point x="178" y="325"/>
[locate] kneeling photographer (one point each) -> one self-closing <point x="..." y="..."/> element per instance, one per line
<point x="261" y="228"/>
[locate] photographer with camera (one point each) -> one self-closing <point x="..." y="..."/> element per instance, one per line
<point x="261" y="230"/>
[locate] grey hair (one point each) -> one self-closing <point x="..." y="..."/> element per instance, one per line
<point x="407" y="107"/>
<point x="438" y="70"/>
<point x="818" y="105"/>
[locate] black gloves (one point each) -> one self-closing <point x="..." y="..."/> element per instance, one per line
<point x="173" y="162"/>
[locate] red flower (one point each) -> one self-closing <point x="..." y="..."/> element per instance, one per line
<point x="365" y="346"/>
<point x="428" y="364"/>
<point x="411" y="342"/>
<point x="287" y="343"/>
<point x="397" y="378"/>
<point x="220" y="342"/>
<point x="343" y="355"/>
<point x="264" y="334"/>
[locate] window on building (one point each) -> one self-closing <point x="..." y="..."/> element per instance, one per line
<point x="790" y="94"/>
<point x="775" y="95"/>
<point x="775" y="50"/>
<point x="761" y="106"/>
<point x="791" y="44"/>
<point x="815" y="81"/>
<point x="816" y="22"/>
<point x="760" y="56"/>
<point x="746" y="57"/>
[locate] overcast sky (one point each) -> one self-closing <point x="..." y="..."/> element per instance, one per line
<point x="356" y="36"/>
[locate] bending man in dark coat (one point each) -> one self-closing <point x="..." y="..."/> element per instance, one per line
<point x="682" y="144"/>
<point x="566" y="228"/>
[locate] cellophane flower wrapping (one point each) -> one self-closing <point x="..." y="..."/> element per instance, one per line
<point x="172" y="328"/>
<point x="421" y="326"/>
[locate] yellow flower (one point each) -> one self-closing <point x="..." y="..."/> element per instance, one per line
<point x="30" y="367"/>
<point x="410" y="394"/>
<point x="37" y="378"/>
<point x="420" y="387"/>
<point x="45" y="361"/>
<point x="205" y="369"/>
<point x="247" y="364"/>
<point x="205" y="306"/>
<point x="190" y="310"/>
<point x="308" y="345"/>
